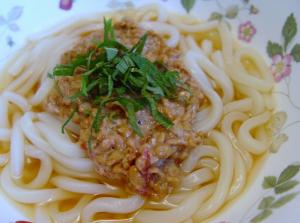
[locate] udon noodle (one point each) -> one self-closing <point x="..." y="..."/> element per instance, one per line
<point x="42" y="167"/>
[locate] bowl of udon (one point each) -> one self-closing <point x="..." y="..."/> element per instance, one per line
<point x="149" y="111"/>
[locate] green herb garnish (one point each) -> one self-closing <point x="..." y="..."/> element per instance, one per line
<point x="112" y="73"/>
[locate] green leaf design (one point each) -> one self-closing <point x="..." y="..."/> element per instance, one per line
<point x="253" y="10"/>
<point x="188" y="4"/>
<point x="288" y="173"/>
<point x="261" y="216"/>
<point x="296" y="52"/>
<point x="269" y="182"/>
<point x="266" y="202"/>
<point x="215" y="16"/>
<point x="289" y="30"/>
<point x="283" y="184"/>
<point x="274" y="49"/>
<point x="283" y="200"/>
<point x="286" y="186"/>
<point x="232" y="11"/>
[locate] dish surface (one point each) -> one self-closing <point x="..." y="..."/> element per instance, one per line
<point x="252" y="23"/>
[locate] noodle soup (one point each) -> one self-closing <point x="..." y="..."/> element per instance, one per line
<point x="143" y="118"/>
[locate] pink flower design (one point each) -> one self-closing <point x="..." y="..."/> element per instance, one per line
<point x="246" y="31"/>
<point x="281" y="66"/>
<point x="65" y="4"/>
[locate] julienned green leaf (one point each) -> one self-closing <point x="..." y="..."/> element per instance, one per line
<point x="289" y="30"/>
<point x="139" y="46"/>
<point x="112" y="73"/>
<point x="68" y="120"/>
<point x="296" y="52"/>
<point x="288" y="173"/>
<point x="111" y="53"/>
<point x="283" y="200"/>
<point x="266" y="202"/>
<point x="129" y="106"/>
<point x="188" y="4"/>
<point x="68" y="69"/>
<point x="261" y="216"/>
<point x="98" y="119"/>
<point x="109" y="33"/>
<point x="124" y="64"/>
<point x="63" y="70"/>
<point x="84" y="84"/>
<point x="269" y="182"/>
<point x="159" y="117"/>
<point x="274" y="49"/>
<point x="281" y="188"/>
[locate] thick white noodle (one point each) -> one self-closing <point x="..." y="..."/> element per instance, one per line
<point x="56" y="123"/>
<point x="258" y="105"/>
<point x="5" y="134"/>
<point x="16" y="63"/>
<point x="60" y="142"/>
<point x="3" y="111"/>
<point x="69" y="216"/>
<point x="218" y="75"/>
<point x="227" y="128"/>
<point x="239" y="178"/>
<point x="45" y="171"/>
<point x="30" y="196"/>
<point x="188" y="221"/>
<point x="163" y="29"/>
<point x="183" y="45"/>
<point x="253" y="145"/>
<point x="192" y="28"/>
<point x="218" y="60"/>
<point x="190" y="60"/>
<point x="151" y="12"/>
<point x="111" y="205"/>
<point x="17" y="153"/>
<point x="42" y="91"/>
<point x="243" y="105"/>
<point x="16" y="99"/>
<point x="210" y="163"/>
<point x="258" y="60"/>
<point x="82" y="186"/>
<point x="190" y="162"/>
<point x="225" y="178"/>
<point x="169" y="202"/>
<point x="240" y="75"/>
<point x="184" y="211"/>
<point x="197" y="178"/>
<point x="27" y="86"/>
<point x="207" y="47"/>
<point x="176" y="198"/>
<point x="60" y="169"/>
<point x="41" y="214"/>
<point x="227" y="43"/>
<point x="33" y="134"/>
<point x="270" y="101"/>
<point x="12" y="86"/>
<point x="4" y="157"/>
